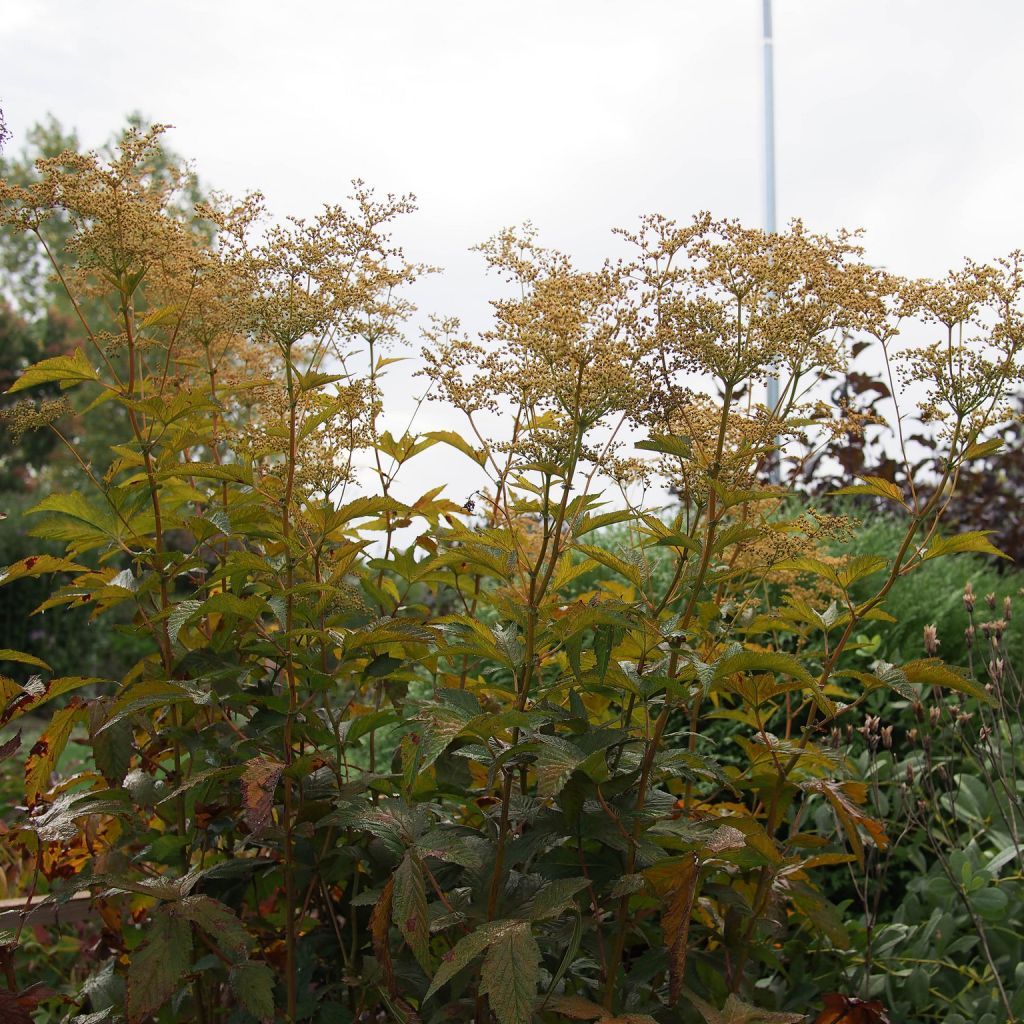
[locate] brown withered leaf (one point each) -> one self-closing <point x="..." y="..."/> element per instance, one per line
<point x="676" y="883"/>
<point x="259" y="782"/>
<point x="840" y="1009"/>
<point x="15" y="1008"/>
<point x="380" y="921"/>
<point x="844" y="798"/>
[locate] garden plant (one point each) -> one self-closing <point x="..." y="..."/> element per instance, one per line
<point x="461" y="757"/>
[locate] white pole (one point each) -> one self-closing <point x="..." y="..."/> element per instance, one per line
<point x="769" y="175"/>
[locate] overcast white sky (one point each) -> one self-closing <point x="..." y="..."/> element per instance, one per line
<point x="903" y="117"/>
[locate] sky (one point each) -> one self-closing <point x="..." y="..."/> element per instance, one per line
<point x="901" y="117"/>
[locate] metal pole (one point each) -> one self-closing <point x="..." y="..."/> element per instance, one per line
<point x="769" y="176"/>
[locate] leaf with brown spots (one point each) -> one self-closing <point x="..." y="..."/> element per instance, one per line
<point x="410" y="908"/>
<point x="43" y="757"/>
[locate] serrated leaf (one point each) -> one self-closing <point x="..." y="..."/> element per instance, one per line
<point x="179" y="615"/>
<point x="57" y="823"/>
<point x="6" y="654"/>
<point x="218" y="921"/>
<point x="159" y="967"/>
<point x="253" y="985"/>
<point x="736" y="1011"/>
<point x="510" y="974"/>
<point x="465" y="950"/>
<point x="553" y="897"/>
<point x="38" y="565"/>
<point x="63" y="370"/>
<point x="667" y="444"/>
<point x="409" y="908"/>
<point x="935" y="672"/>
<point x="458" y="441"/>
<point x="975" y="541"/>
<point x="556" y="761"/>
<point x="43" y="758"/>
<point x="38" y="693"/>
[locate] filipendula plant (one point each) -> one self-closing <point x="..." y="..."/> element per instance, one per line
<point x="385" y="757"/>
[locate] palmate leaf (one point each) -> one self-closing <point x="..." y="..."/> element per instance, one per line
<point x="510" y="974"/>
<point x="158" y="968"/>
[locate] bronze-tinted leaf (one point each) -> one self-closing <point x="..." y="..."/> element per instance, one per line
<point x="259" y="782"/>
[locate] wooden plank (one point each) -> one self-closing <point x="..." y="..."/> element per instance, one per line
<point x="78" y="908"/>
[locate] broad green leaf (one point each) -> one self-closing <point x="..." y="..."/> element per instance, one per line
<point x="253" y="985"/>
<point x="735" y="1011"/>
<point x="158" y="969"/>
<point x="467" y="949"/>
<point x="876" y="486"/>
<point x="458" y="441"/>
<point x="667" y="444"/>
<point x="935" y="672"/>
<point x="409" y="908"/>
<point x="6" y="654"/>
<point x="557" y="760"/>
<point x="218" y="921"/>
<point x="510" y="974"/>
<point x="553" y="897"/>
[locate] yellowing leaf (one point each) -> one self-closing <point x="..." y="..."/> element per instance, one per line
<point x="973" y="540"/>
<point x="43" y="758"/>
<point x="64" y="370"/>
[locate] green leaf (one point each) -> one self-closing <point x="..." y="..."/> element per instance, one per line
<point x="468" y="948"/>
<point x="775" y="661"/>
<point x="253" y="985"/>
<point x="935" y="672"/>
<point x="667" y="444"/>
<point x="409" y="908"/>
<point x="876" y="486"/>
<point x="736" y="1011"/>
<point x="983" y="448"/>
<point x="553" y="897"/>
<point x="458" y="441"/>
<point x="556" y="761"/>
<point x="64" y="370"/>
<point x="159" y="967"/>
<point x="6" y="654"/>
<point x="218" y="921"/>
<point x="510" y="974"/>
<point x="990" y="902"/>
